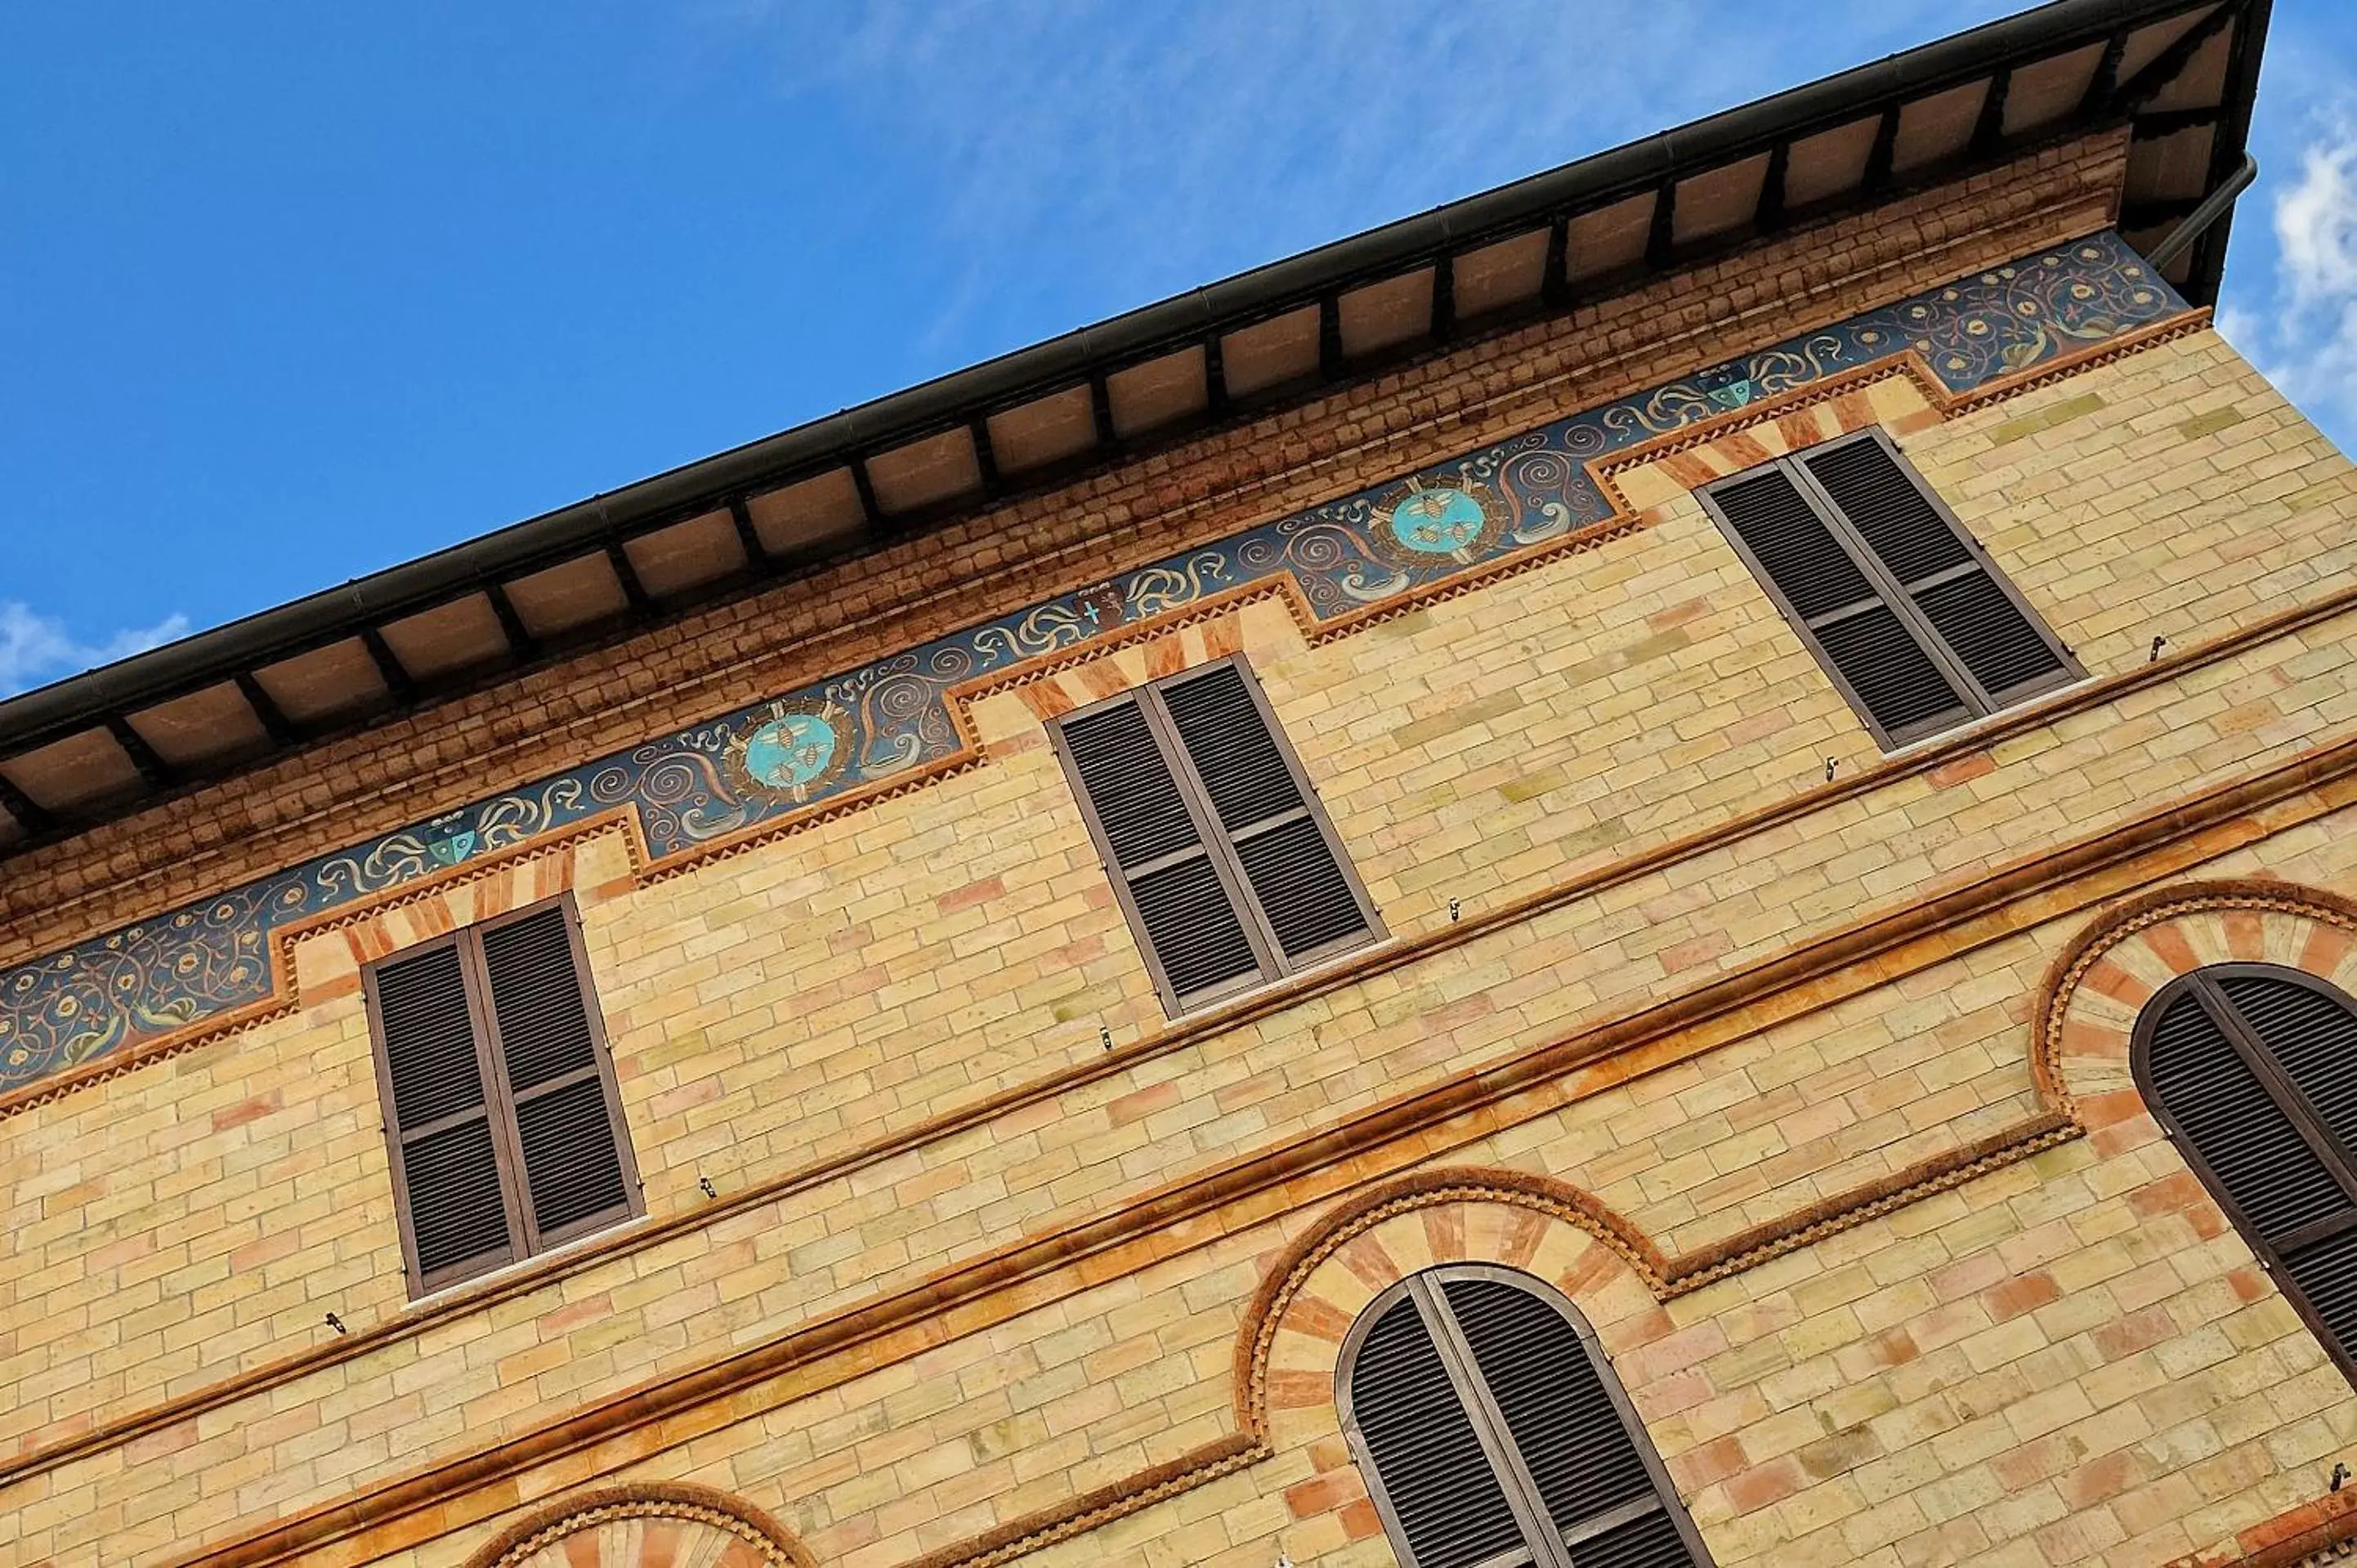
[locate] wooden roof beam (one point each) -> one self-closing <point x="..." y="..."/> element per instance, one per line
<point x="2169" y="63"/>
<point x="31" y="816"/>
<point x="282" y="730"/>
<point x="158" y="773"/>
<point x="389" y="668"/>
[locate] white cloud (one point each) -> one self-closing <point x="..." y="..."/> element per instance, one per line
<point x="1083" y="156"/>
<point x="37" y="649"/>
<point x="2300" y="328"/>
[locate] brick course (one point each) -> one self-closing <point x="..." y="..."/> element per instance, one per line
<point x="2053" y="1351"/>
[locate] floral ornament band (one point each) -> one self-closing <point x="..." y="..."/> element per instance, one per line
<point x="865" y="726"/>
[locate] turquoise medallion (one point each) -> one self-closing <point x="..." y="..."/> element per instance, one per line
<point x="1441" y="520"/>
<point x="792" y="753"/>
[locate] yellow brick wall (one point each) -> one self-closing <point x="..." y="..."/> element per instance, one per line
<point x="2071" y="1360"/>
<point x="809" y="998"/>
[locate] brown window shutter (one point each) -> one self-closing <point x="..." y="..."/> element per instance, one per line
<point x="449" y="1166"/>
<point x="1440" y="1483"/>
<point x="1897" y="602"/>
<point x="1493" y="1433"/>
<point x="2006" y="653"/>
<point x="1176" y="890"/>
<point x="1307" y="894"/>
<point x="1222" y="859"/>
<point x="502" y="1113"/>
<point x="2248" y="1066"/>
<point x="567" y="1116"/>
<point x="1872" y="652"/>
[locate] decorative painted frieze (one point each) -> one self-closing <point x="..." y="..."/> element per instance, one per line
<point x="893" y="721"/>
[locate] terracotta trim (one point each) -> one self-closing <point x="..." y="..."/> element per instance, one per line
<point x="2027" y="893"/>
<point x="287" y="995"/>
<point x="644" y="1499"/>
<point x="972" y="752"/>
<point x="1362" y="1212"/>
<point x="1107" y="1503"/>
<point x="2050" y="194"/>
<point x="1397" y="953"/>
<point x="1748" y="1249"/>
<point x="2063" y="366"/>
<point x="1921" y="759"/>
<point x="1907" y="363"/>
<point x="2314" y="1533"/>
<point x="2070" y="967"/>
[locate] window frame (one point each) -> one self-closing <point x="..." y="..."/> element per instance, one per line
<point x="1217" y="846"/>
<point x="1980" y="703"/>
<point x="2338" y="1161"/>
<point x="525" y="1241"/>
<point x="1544" y="1544"/>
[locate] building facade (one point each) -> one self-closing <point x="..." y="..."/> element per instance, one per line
<point x="1656" y="871"/>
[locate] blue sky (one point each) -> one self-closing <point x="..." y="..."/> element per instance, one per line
<point x="291" y="293"/>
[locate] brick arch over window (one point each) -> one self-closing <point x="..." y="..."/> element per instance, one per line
<point x="647" y="1524"/>
<point x="2094" y="991"/>
<point x="1293" y="1330"/>
<point x="1492" y="1429"/>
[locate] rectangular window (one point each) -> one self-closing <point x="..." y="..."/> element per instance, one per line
<point x="501" y="1113"/>
<point x="1218" y="849"/>
<point x="1903" y="608"/>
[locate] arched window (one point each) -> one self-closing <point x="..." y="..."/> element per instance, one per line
<point x="2252" y="1068"/>
<point x="1492" y="1433"/>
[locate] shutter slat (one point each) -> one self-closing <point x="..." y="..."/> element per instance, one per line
<point x="1295" y="873"/>
<point x="1136" y="800"/>
<point x="569" y="1159"/>
<point x="1301" y="887"/>
<point x="1972" y="614"/>
<point x="2249" y="1145"/>
<point x="1989" y="634"/>
<point x="1193" y="927"/>
<point x="572" y="1166"/>
<point x="2326" y="1273"/>
<point x="536" y="996"/>
<point x="2312" y="1036"/>
<point x="1242" y="771"/>
<point x="1795" y="548"/>
<point x="1556" y="1408"/>
<point x="1650" y="1541"/>
<point x="1895" y="518"/>
<point x="1897" y="683"/>
<point x="1188" y="922"/>
<point x="1449" y="1503"/>
<point x="429" y="1038"/>
<point x="457" y="1213"/>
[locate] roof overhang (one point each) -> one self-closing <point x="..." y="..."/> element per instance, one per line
<point x="2181" y="73"/>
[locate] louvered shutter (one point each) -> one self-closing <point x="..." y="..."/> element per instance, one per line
<point x="2266" y="1167"/>
<point x="1565" y="1425"/>
<point x="1225" y="863"/>
<point x="450" y="1179"/>
<point x="1895" y="598"/>
<point x="1869" y="647"/>
<point x="567" y="1125"/>
<point x="1309" y="901"/>
<point x="1443" y="1491"/>
<point x="1935" y="564"/>
<point x="501" y="1107"/>
<point x="1494" y="1433"/>
<point x="2255" y="1069"/>
<point x="1174" y="884"/>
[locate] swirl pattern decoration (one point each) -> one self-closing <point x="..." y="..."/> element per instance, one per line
<point x="865" y="727"/>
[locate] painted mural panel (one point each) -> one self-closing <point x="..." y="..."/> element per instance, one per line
<point x="864" y="727"/>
